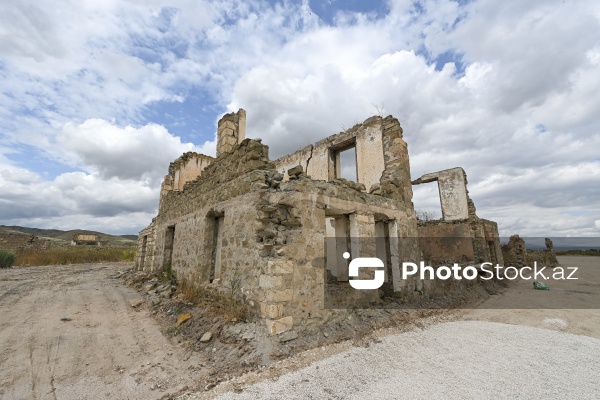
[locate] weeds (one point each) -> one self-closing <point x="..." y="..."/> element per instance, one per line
<point x="6" y="258"/>
<point x="61" y="255"/>
<point x="167" y="275"/>
<point x="224" y="304"/>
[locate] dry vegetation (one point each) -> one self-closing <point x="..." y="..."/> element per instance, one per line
<point x="61" y="255"/>
<point x="216" y="303"/>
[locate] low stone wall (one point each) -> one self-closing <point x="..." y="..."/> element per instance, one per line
<point x="515" y="252"/>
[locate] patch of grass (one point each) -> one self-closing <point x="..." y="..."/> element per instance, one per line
<point x="216" y="303"/>
<point x="61" y="255"/>
<point x="7" y="258"/>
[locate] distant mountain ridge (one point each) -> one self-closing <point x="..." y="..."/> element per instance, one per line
<point x="58" y="235"/>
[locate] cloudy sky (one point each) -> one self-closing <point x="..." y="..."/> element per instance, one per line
<point x="98" y="96"/>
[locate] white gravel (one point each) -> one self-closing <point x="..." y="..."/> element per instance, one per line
<point x="454" y="360"/>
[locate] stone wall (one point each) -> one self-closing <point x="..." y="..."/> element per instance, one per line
<point x="144" y="257"/>
<point x="321" y="160"/>
<point x="544" y="257"/>
<point x="446" y="242"/>
<point x="460" y="236"/>
<point x="15" y="241"/>
<point x="515" y="252"/>
<point x="452" y="187"/>
<point x="187" y="168"/>
<point x="231" y="130"/>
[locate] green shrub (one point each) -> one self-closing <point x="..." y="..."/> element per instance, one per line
<point x="7" y="258"/>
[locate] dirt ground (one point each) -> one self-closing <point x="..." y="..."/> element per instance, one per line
<point x="71" y="332"/>
<point x="571" y="306"/>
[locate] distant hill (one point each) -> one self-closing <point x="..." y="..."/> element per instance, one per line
<point x="65" y="237"/>
<point x="130" y="237"/>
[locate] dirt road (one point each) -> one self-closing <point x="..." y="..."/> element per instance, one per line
<point x="70" y="332"/>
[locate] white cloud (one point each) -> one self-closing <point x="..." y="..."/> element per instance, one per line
<point x="123" y="152"/>
<point x="72" y="198"/>
<point x="521" y="118"/>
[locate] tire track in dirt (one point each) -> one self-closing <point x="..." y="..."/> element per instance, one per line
<point x="103" y="349"/>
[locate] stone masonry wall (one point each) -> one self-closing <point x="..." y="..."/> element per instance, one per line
<point x="273" y="232"/>
<point x="515" y="252"/>
<point x="144" y="259"/>
<point x="318" y="160"/>
<point x="187" y="168"/>
<point x="231" y="130"/>
<point x="452" y="187"/>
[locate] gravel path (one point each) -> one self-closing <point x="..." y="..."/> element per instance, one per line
<point x="454" y="360"/>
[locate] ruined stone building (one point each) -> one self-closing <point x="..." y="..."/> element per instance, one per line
<point x="243" y="221"/>
<point x="85" y="239"/>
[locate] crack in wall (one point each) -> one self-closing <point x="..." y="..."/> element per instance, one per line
<point x="309" y="157"/>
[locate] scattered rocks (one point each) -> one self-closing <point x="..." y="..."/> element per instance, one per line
<point x="156" y="301"/>
<point x="137" y="303"/>
<point x="206" y="337"/>
<point x="288" y="336"/>
<point x="295" y="172"/>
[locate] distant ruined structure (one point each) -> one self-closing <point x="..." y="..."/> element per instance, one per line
<point x="85" y="239"/>
<point x="243" y="220"/>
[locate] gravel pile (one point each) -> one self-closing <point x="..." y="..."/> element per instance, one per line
<point x="453" y="360"/>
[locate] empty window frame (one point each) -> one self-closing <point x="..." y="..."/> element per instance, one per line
<point x="343" y="161"/>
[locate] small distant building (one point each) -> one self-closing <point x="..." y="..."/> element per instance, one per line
<point x="85" y="239"/>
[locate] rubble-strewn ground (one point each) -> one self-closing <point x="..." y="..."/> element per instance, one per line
<point x="72" y="332"/>
<point x="244" y="345"/>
